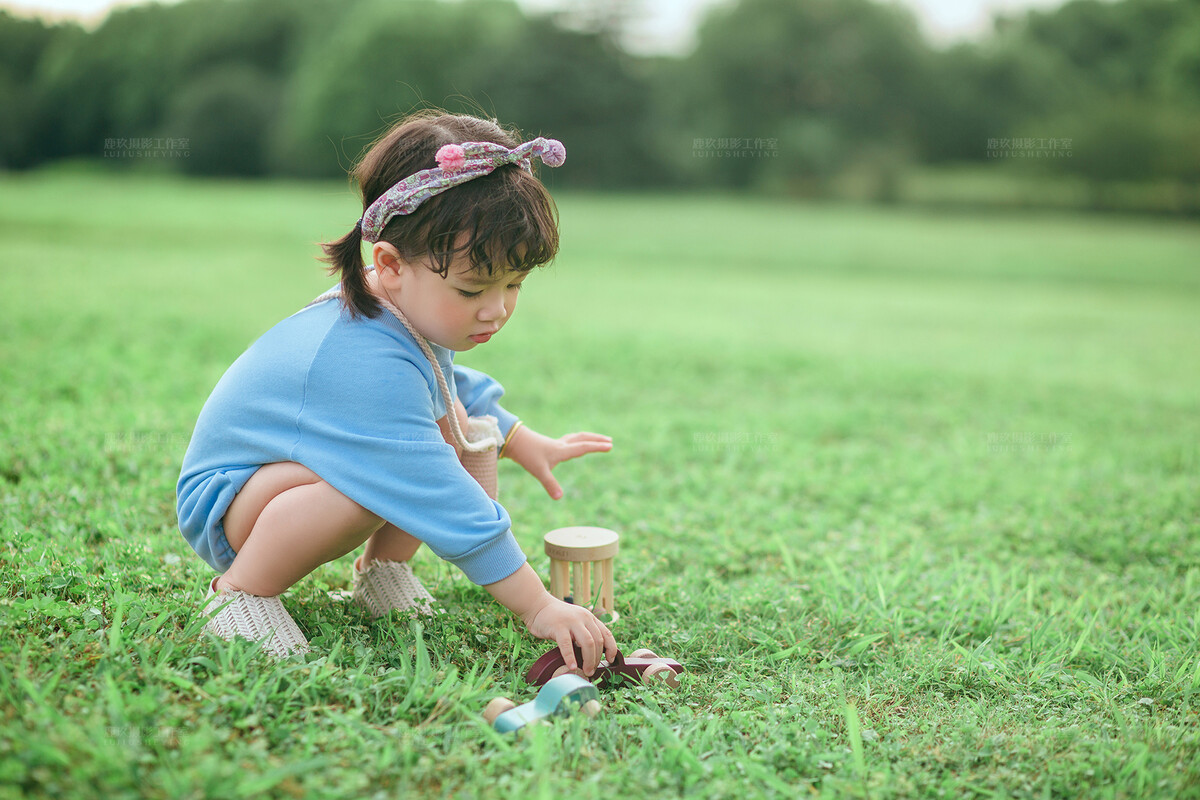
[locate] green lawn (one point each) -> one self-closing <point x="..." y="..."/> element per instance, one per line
<point x="914" y="497"/>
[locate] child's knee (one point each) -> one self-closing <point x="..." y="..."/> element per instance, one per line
<point x="355" y="516"/>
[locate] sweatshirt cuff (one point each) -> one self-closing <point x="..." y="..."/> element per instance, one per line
<point x="505" y="419"/>
<point x="492" y="561"/>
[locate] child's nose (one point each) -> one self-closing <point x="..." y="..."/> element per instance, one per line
<point x="494" y="309"/>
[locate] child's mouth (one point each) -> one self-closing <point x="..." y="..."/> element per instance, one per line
<point x="480" y="338"/>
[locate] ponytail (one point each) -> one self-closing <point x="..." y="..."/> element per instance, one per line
<point x="345" y="260"/>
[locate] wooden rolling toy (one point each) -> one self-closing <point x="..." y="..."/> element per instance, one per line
<point x="558" y="698"/>
<point x="642" y="666"/>
<point x="573" y="552"/>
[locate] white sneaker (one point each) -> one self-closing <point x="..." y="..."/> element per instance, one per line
<point x="259" y="619"/>
<point x="388" y="585"/>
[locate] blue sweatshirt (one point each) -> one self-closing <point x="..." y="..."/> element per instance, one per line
<point x="355" y="401"/>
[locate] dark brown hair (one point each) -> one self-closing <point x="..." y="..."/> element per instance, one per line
<point x="505" y="220"/>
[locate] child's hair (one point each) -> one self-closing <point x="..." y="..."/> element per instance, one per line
<point x="504" y="220"/>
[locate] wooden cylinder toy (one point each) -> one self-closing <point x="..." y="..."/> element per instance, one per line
<point x="572" y="553"/>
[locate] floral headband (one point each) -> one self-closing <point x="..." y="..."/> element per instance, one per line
<point x="457" y="163"/>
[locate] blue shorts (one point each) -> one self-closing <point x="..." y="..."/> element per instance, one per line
<point x="202" y="505"/>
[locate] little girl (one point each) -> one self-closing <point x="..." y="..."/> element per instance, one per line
<point x="331" y="430"/>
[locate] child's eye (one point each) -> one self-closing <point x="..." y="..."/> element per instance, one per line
<point x="514" y="286"/>
<point x="465" y="293"/>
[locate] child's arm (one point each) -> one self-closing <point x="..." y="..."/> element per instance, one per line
<point x="547" y="617"/>
<point x="481" y="394"/>
<point x="540" y="454"/>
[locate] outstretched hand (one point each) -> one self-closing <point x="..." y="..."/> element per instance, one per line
<point x="539" y="454"/>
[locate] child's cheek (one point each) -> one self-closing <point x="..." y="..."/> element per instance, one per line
<point x="457" y="310"/>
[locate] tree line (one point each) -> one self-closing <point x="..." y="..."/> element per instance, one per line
<point x="781" y="95"/>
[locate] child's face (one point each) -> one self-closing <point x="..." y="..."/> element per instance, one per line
<point x="460" y="311"/>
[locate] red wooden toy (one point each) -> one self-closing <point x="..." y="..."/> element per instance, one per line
<point x="641" y="666"/>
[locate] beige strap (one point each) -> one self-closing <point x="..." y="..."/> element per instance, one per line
<point x="423" y="343"/>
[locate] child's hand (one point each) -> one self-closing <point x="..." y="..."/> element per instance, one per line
<point x="550" y="618"/>
<point x="540" y="454"/>
<point x="570" y="625"/>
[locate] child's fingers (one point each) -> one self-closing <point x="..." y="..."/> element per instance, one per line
<point x="610" y="643"/>
<point x="577" y="449"/>
<point x="546" y="478"/>
<point x="566" y="646"/>
<point x="606" y="644"/>
<point x="591" y="653"/>
<point x="552" y="487"/>
<point x="585" y="436"/>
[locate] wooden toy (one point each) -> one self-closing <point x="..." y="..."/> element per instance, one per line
<point x="572" y="553"/>
<point x="642" y="666"/>
<point x="558" y="698"/>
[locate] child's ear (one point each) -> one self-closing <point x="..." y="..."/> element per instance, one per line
<point x="386" y="257"/>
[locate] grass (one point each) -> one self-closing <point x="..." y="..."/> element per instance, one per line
<point x="913" y="496"/>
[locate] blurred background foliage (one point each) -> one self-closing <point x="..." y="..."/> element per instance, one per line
<point x="1092" y="104"/>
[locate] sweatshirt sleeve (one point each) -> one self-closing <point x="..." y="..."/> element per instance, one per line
<point x="481" y="394"/>
<point x="368" y="427"/>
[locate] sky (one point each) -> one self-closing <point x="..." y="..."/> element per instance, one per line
<point x="667" y="24"/>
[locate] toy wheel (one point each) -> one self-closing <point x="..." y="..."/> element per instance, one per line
<point x="643" y="653"/>
<point x="565" y="670"/>
<point x="661" y="672"/>
<point x="497" y="707"/>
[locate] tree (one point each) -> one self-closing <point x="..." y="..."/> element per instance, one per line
<point x="482" y="58"/>
<point x="839" y="72"/>
<point x="226" y="115"/>
<point x="22" y="44"/>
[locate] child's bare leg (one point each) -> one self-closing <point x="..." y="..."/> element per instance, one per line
<point x="389" y="543"/>
<point x="285" y="523"/>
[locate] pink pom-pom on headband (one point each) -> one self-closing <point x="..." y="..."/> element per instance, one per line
<point x="457" y="164"/>
<point x="552" y="152"/>
<point x="451" y="157"/>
